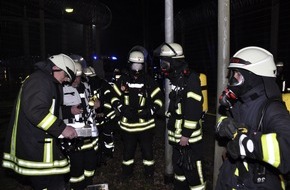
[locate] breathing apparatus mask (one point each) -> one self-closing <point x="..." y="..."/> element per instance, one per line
<point x="240" y="81"/>
<point x="136" y="69"/>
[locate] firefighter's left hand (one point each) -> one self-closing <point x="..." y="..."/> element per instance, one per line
<point x="241" y="147"/>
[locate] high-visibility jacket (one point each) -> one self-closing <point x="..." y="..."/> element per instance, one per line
<point x="270" y="142"/>
<point x="185" y="110"/>
<point x="138" y="94"/>
<point x="31" y="146"/>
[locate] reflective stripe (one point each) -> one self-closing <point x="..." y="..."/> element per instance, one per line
<point x="135" y="85"/>
<point x="77" y="179"/>
<point x="148" y="162"/>
<point x="190" y="124"/>
<point x="47" y="121"/>
<point x="179" y="177"/>
<point x="90" y="145"/>
<point x="198" y="187"/>
<point x="199" y="170"/>
<point x="126" y="100"/>
<point x="178" y="110"/>
<point x="175" y="137"/>
<point x="47" y="152"/>
<point x="15" y="124"/>
<point x="194" y="96"/>
<point x="128" y="162"/>
<point x="37" y="171"/>
<point x="89" y="173"/>
<point x="31" y="164"/>
<point x="155" y="92"/>
<point x="158" y="102"/>
<point x="134" y="127"/>
<point x="117" y="90"/>
<point x="52" y="107"/>
<point x="271" y="151"/>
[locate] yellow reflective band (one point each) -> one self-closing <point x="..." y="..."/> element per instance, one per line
<point x="114" y="99"/>
<point x="158" y="102"/>
<point x="31" y="164"/>
<point x="126" y="100"/>
<point x="15" y="124"/>
<point x="52" y="107"/>
<point x="179" y="111"/>
<point x="179" y="177"/>
<point x="47" y="121"/>
<point x="129" y="162"/>
<point x="117" y="90"/>
<point x="148" y="162"/>
<point x="48" y="153"/>
<point x="77" y="179"/>
<point x="155" y="92"/>
<point x="194" y="96"/>
<point x="270" y="148"/>
<point x="198" y="187"/>
<point x="199" y="170"/>
<point x="107" y="92"/>
<point x="142" y="100"/>
<point x="89" y="173"/>
<point x="190" y="124"/>
<point x="222" y="118"/>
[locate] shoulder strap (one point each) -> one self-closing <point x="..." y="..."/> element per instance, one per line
<point x="264" y="109"/>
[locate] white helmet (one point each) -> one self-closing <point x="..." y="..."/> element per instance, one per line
<point x="65" y="63"/>
<point x="172" y="50"/>
<point x="79" y="69"/>
<point x="256" y="60"/>
<point x="136" y="57"/>
<point x="79" y="59"/>
<point x="89" y="71"/>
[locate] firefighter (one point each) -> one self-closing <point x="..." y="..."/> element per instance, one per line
<point x="256" y="128"/>
<point x="140" y="98"/>
<point x="105" y="115"/>
<point x="31" y="147"/>
<point x="184" y="122"/>
<point x="77" y="112"/>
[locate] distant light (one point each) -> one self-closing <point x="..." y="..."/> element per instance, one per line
<point x="113" y="57"/>
<point x="95" y="57"/>
<point x="69" y="10"/>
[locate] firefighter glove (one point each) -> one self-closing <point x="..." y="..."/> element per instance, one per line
<point x="186" y="159"/>
<point x="241" y="147"/>
<point x="229" y="128"/>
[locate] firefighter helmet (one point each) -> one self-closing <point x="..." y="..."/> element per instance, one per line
<point x="79" y="69"/>
<point x="65" y="63"/>
<point x="136" y="57"/>
<point x="79" y="59"/>
<point x="172" y="50"/>
<point x="254" y="59"/>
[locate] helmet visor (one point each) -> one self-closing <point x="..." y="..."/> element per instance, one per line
<point x="235" y="78"/>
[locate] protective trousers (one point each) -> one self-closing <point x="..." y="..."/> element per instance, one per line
<point x="130" y="141"/>
<point x="51" y="182"/>
<point x="83" y="165"/>
<point x="185" y="179"/>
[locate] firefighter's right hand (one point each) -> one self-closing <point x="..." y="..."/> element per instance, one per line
<point x="227" y="127"/>
<point x="69" y="132"/>
<point x="76" y="109"/>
